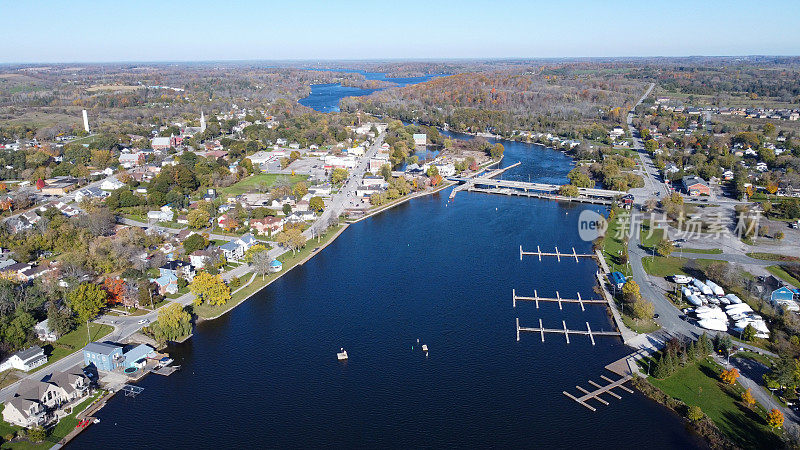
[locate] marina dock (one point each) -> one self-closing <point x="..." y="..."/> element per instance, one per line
<point x="557" y="254"/>
<point x="566" y="332"/>
<point x="537" y="299"/>
<point x="595" y="394"/>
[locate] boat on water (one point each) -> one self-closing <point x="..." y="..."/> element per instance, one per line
<point x="342" y="355"/>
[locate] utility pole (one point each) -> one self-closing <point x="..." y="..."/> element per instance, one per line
<point x="88" y="334"/>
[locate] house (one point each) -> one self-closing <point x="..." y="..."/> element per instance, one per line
<point x="90" y="193"/>
<point x="727" y="175"/>
<point x="180" y="269"/>
<point x="267" y="225"/>
<point x="25" y="360"/>
<point x="694" y="186"/>
<point x="420" y="139"/>
<point x="14" y="271"/>
<point x="103" y="356"/>
<point x="617" y="279"/>
<point x="111" y="184"/>
<point x="321" y="190"/>
<point x="616" y="132"/>
<point x="275" y="266"/>
<point x="43" y="331"/>
<point x="137" y="356"/>
<point x="128" y="160"/>
<point x="161" y="143"/>
<point x="236" y="248"/>
<point x="374" y="181"/>
<point x="786" y="298"/>
<point x="300" y="216"/>
<point x="165" y="214"/>
<point x="59" y="185"/>
<point x="35" y="401"/>
<point x="167" y="283"/>
<point x="199" y="258"/>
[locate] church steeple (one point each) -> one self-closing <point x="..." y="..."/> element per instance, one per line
<point x="202" y="121"/>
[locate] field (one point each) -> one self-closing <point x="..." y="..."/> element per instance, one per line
<point x="255" y="182"/>
<point x="698" y="385"/>
<point x="612" y="247"/>
<point x="112" y="88"/>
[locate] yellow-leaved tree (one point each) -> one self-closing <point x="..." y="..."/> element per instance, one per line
<point x="209" y="289"/>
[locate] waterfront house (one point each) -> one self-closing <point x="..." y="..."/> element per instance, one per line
<point x="103" y="356"/>
<point x="137" y="356"/>
<point x="180" y="269"/>
<point x="25" y="360"/>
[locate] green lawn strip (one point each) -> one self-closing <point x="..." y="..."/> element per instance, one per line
<point x="772" y="256"/>
<point x="663" y="266"/>
<point x="288" y="259"/>
<point x="649" y="239"/>
<point x="708" y="251"/>
<point x="763" y="359"/>
<point x="255" y="181"/>
<point x="75" y="340"/>
<point x="180" y="292"/>
<point x="698" y="385"/>
<point x="783" y="275"/>
<point x="612" y="246"/>
<point x="640" y="326"/>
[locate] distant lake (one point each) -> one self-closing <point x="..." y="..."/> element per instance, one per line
<point x="325" y="97"/>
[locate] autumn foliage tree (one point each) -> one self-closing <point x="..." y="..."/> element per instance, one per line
<point x="747" y="398"/>
<point x="775" y="418"/>
<point x="115" y="288"/>
<point x="729" y="376"/>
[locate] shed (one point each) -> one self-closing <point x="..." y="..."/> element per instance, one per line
<point x="136" y="356"/>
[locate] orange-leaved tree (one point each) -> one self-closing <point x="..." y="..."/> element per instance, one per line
<point x="729" y="376"/>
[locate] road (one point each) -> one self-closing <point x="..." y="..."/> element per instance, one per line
<point x="651" y="184"/>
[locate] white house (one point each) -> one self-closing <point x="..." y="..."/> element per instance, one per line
<point x="165" y="214"/>
<point x="111" y="184"/>
<point x="43" y="331"/>
<point x="236" y="248"/>
<point x="25" y="360"/>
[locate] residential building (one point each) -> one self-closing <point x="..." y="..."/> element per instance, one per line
<point x="90" y="193"/>
<point x="35" y="401"/>
<point x="111" y="184"/>
<point x="25" y="360"/>
<point x="43" y="331"/>
<point x="103" y="356"/>
<point x="267" y="225"/>
<point x="181" y="269"/>
<point x="199" y="258"/>
<point x="167" y="283"/>
<point x="161" y="143"/>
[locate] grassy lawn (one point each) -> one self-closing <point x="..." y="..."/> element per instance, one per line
<point x="662" y="266"/>
<point x="288" y="259"/>
<point x="180" y="292"/>
<point x="649" y="239"/>
<point x="697" y="384"/>
<point x="640" y="326"/>
<point x="75" y="340"/>
<point x="783" y="275"/>
<point x="612" y="246"/>
<point x="772" y="256"/>
<point x="255" y="181"/>
<point x="763" y="359"/>
<point x="707" y="251"/>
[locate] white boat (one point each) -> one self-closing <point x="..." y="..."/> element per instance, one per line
<point x="425" y="348"/>
<point x="738" y="308"/>
<point x="342" y="355"/>
<point x="733" y="298"/>
<point x="693" y="299"/>
<point x="686" y="291"/>
<point x="713" y="324"/>
<point x="715" y="287"/>
<point x="703" y="288"/>
<point x="681" y="279"/>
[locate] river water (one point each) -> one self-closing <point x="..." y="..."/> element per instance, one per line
<point x="266" y="374"/>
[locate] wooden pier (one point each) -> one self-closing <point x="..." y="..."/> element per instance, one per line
<point x="537" y="299"/>
<point x="595" y="394"/>
<point x="557" y="254"/>
<point x="566" y="332"/>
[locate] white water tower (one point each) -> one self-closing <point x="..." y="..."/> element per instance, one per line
<point x="85" y="121"/>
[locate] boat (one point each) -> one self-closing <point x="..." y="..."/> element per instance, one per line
<point x="681" y="279"/>
<point x="734" y="299"/>
<point x="712" y="324"/>
<point x="693" y="299"/>
<point x="715" y="287"/>
<point x="96" y="420"/>
<point x="342" y="355"/>
<point x="425" y="348"/>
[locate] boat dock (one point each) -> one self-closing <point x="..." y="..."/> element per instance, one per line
<point x="537" y="299"/>
<point x="595" y="394"/>
<point x="542" y="195"/>
<point x="557" y="254"/>
<point x="588" y="332"/>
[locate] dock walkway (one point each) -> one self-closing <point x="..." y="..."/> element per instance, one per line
<point x="595" y="394"/>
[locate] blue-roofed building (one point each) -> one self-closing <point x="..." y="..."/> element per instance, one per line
<point x="105" y="357"/>
<point x="275" y="266"/>
<point x="137" y="356"/>
<point x="617" y="279"/>
<point x="167" y="283"/>
<point x="783" y="293"/>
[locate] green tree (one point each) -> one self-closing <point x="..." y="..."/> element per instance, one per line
<point x="339" y="175"/>
<point x="642" y="309"/>
<point x="287" y="209"/>
<point x="18" y="331"/>
<point x="749" y="333"/>
<point x="630" y="291"/>
<point x="496" y="151"/>
<point x="174" y="321"/>
<point x="316" y="204"/>
<point x="194" y="242"/>
<point x="37" y="434"/>
<point x="568" y="190"/>
<point x="694" y="413"/>
<point x="198" y="218"/>
<point x="664" y="247"/>
<point x="86" y="301"/>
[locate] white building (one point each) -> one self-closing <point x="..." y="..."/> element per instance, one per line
<point x="25" y="360"/>
<point x="111" y="184"/>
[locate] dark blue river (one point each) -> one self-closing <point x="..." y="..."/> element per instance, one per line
<point x="266" y="375"/>
<point x="325" y="97"/>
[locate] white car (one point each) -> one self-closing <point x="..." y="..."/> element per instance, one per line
<point x="681" y="279"/>
<point x="143" y="322"/>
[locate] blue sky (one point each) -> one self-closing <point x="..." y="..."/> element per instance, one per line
<point x="144" y="30"/>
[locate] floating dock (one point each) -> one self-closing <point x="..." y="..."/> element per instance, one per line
<point x="557" y="254"/>
<point x="566" y="332"/>
<point x="595" y="394"/>
<point x="558" y="299"/>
